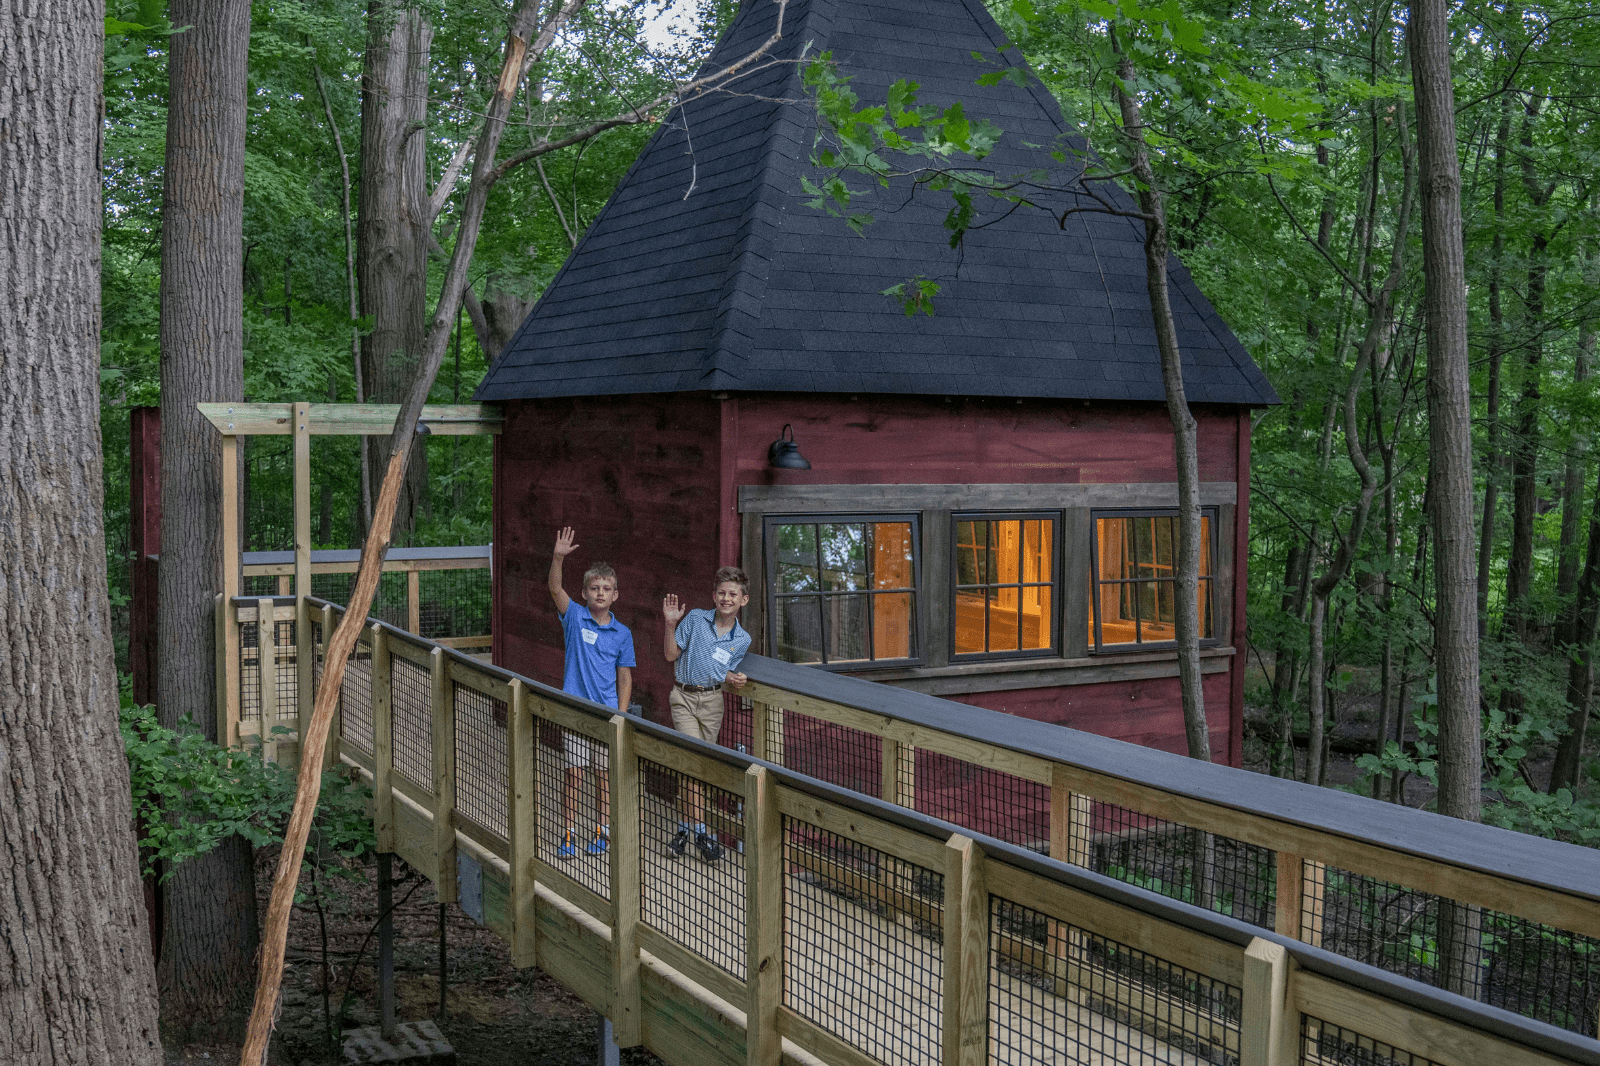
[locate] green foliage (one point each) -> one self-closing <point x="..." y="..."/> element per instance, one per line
<point x="189" y="795"/>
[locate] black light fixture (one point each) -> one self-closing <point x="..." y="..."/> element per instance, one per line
<point x="784" y="453"/>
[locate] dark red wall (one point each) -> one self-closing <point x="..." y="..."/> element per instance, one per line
<point x="651" y="482"/>
<point x="636" y="476"/>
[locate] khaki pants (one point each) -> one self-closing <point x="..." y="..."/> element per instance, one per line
<point x="699" y="714"/>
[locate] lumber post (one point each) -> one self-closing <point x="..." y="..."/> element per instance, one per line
<point x="1266" y="1037"/>
<point x="889" y="786"/>
<point x="267" y="676"/>
<point x="758" y="730"/>
<point x="763" y="858"/>
<point x="228" y="726"/>
<point x="1298" y="903"/>
<point x="522" y="742"/>
<point x="965" y="1035"/>
<point x="382" y="741"/>
<point x="302" y="566"/>
<point x="444" y="777"/>
<point x="626" y="1023"/>
<point x="414" y="602"/>
<point x="227" y="732"/>
<point x="304" y="659"/>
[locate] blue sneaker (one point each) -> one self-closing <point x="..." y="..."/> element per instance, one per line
<point x="598" y="845"/>
<point x="567" y="850"/>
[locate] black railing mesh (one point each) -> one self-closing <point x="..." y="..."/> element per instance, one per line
<point x="411" y="713"/>
<point x="1324" y="1044"/>
<point x="575" y="804"/>
<point x="453" y="603"/>
<point x="989" y="801"/>
<point x="482" y="771"/>
<point x="849" y="758"/>
<point x="736" y="722"/>
<point x="1215" y="872"/>
<point x="1535" y="970"/>
<point x="1060" y="993"/>
<point x="689" y="889"/>
<point x="863" y="956"/>
<point x="249" y="670"/>
<point x="355" y="695"/>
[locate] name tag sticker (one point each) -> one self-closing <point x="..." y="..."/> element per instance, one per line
<point x="590" y="636"/>
<point x="721" y="656"/>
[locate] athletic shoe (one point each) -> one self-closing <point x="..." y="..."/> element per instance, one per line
<point x="710" y="850"/>
<point x="679" y="844"/>
<point x="598" y="845"/>
<point x="568" y="850"/>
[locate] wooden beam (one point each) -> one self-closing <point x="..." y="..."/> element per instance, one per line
<point x="626" y="1024"/>
<point x="1268" y="1036"/>
<point x="347" y="419"/>
<point x="966" y="955"/>
<point x="301" y="422"/>
<point x="523" y="742"/>
<point x="414" y="603"/>
<point x="267" y="676"/>
<point x="444" y="777"/>
<point x="763" y="858"/>
<point x="228" y="727"/>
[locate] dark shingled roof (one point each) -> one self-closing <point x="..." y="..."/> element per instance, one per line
<point x="707" y="271"/>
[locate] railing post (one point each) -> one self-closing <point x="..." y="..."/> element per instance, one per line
<point x="625" y="872"/>
<point x="758" y="730"/>
<point x="382" y="740"/>
<point x="444" y="778"/>
<point x="414" y="602"/>
<point x="966" y="955"/>
<point x="763" y="929"/>
<point x="1266" y="1037"/>
<point x="304" y="657"/>
<point x="1298" y="902"/>
<point x="524" y="806"/>
<point x="267" y="676"/>
<point x="227" y="725"/>
<point x="899" y="773"/>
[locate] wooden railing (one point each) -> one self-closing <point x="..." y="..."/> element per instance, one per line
<point x="840" y="928"/>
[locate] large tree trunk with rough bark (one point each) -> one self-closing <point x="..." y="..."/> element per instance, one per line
<point x="210" y="938"/>
<point x="76" y="981"/>
<point x="393" y="231"/>
<point x="1455" y="625"/>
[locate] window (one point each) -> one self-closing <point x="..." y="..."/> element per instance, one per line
<point x="843" y="588"/>
<point x="1134" y="594"/>
<point x="1005" y="595"/>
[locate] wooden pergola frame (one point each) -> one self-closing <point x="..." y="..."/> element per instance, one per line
<point x="302" y="421"/>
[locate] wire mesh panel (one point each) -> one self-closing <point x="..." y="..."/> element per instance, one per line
<point x="1533" y="969"/>
<point x="736" y="722"/>
<point x="863" y="956"/>
<point x="1211" y="871"/>
<point x="692" y="883"/>
<point x="849" y="758"/>
<point x="481" y="754"/>
<point x="249" y="670"/>
<point x="287" y="678"/>
<point x="1058" y="994"/>
<point x="453" y="603"/>
<point x="411" y="712"/>
<point x="355" y="696"/>
<point x="575" y="804"/>
<point x="989" y="801"/>
<point x="1324" y="1044"/>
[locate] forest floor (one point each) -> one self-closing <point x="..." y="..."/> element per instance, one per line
<point x="495" y="1014"/>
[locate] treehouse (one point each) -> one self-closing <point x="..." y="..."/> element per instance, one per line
<point x="976" y="503"/>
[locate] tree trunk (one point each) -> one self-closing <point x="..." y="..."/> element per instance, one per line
<point x="1492" y="461"/>
<point x="1567" y="564"/>
<point x="393" y="226"/>
<point x="76" y="981"/>
<point x="1184" y="447"/>
<point x="210" y="939"/>
<point x="1579" y="638"/>
<point x="1455" y="626"/>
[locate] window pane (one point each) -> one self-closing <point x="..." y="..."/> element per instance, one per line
<point x="891" y="625"/>
<point x="798" y="624"/>
<point x="1205" y="608"/>
<point x="1008" y="551"/>
<point x="1111" y="546"/>
<point x="844" y="557"/>
<point x="970" y="622"/>
<point x="846" y="627"/>
<point x="1038" y="550"/>
<point x="797" y="559"/>
<point x="1036" y="618"/>
<point x="990" y="570"/>
<point x="1155" y="611"/>
<point x="1205" y="545"/>
<point x="891" y="555"/>
<point x="1003" y="619"/>
<point x="968" y="551"/>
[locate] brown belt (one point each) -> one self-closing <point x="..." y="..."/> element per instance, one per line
<point x="697" y="688"/>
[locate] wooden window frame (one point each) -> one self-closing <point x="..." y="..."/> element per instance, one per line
<point x="1057" y="556"/>
<point x="1096" y="644"/>
<point x="770" y="593"/>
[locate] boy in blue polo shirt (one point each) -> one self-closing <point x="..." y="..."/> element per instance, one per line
<point x="599" y="667"/>
<point x="705" y="648"/>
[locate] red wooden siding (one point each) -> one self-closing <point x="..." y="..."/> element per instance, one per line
<point x="636" y="476"/>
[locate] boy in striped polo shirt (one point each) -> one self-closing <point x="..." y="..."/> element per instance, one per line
<point x="705" y="648"/>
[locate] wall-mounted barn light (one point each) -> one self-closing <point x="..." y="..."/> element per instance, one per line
<point x="784" y="453"/>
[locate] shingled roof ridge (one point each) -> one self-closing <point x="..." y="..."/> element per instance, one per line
<point x="738" y="312"/>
